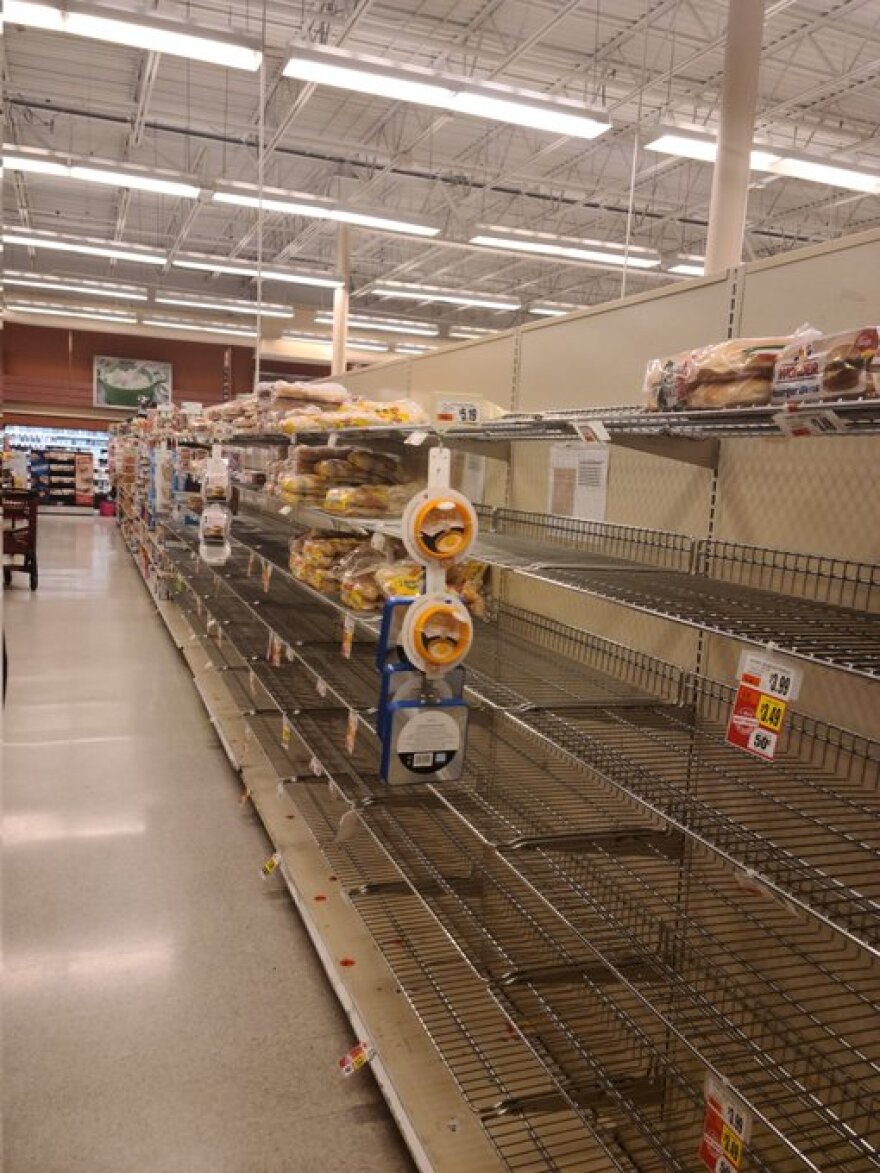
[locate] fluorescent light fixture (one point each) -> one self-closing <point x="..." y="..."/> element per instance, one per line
<point x="248" y="269"/>
<point x="199" y="327"/>
<point x="459" y="95"/>
<point x="170" y="187"/>
<point x="413" y="348"/>
<point x="833" y="175"/>
<point x="382" y="325"/>
<point x="567" y="252"/>
<point x="468" y="333"/>
<point x="430" y="293"/>
<point x="85" y="247"/>
<point x="316" y="211"/>
<point x="773" y="163"/>
<point x="228" y="306"/>
<point x="153" y="34"/>
<point x="98" y="314"/>
<point x="554" y="309"/>
<point x="75" y="285"/>
<point x="138" y="181"/>
<point x="687" y="269"/>
<point x="34" y="163"/>
<point x="704" y="149"/>
<point x="367" y="344"/>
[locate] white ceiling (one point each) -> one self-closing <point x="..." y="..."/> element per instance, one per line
<point x="647" y="62"/>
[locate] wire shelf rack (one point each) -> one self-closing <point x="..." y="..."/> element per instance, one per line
<point x="615" y="936"/>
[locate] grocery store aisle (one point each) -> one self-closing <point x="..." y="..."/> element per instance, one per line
<point x="163" y="1008"/>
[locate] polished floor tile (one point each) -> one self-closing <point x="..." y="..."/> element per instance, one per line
<point x="164" y="1011"/>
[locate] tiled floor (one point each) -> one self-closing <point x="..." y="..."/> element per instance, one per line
<point x="163" y="1009"/>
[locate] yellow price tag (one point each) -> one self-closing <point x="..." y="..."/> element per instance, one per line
<point x="270" y="865"/>
<point x="731" y="1146"/>
<point x="286" y="731"/>
<point x="771" y="712"/>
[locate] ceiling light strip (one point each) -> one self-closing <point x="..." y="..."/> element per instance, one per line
<point x="315" y="211"/>
<point x="429" y="293"/>
<point x="153" y="34"/>
<point x="88" y="248"/>
<point x="459" y="95"/>
<point x="566" y="252"/>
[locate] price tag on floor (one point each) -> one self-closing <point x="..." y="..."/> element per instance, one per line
<point x="347" y="637"/>
<point x="357" y="1057"/>
<point x="727" y="1129"/>
<point x="270" y="866"/>
<point x="286" y="732"/>
<point x="351" y="730"/>
<point x="266" y="575"/>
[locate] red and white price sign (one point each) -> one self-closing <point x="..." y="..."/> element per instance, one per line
<point x="727" y="1129"/>
<point x="766" y="686"/>
<point x="356" y="1058"/>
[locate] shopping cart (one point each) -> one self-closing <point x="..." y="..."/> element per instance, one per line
<point x="20" y="534"/>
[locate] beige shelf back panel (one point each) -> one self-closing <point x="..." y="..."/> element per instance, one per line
<point x="387" y="380"/>
<point x="483" y="368"/>
<point x="598" y="356"/>
<point x="833" y="286"/>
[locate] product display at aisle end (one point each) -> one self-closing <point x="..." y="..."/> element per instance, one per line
<point x="66" y="467"/>
<point x="630" y="903"/>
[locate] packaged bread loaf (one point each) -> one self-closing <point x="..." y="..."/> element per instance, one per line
<point x="368" y="500"/>
<point x="831" y="366"/>
<point x="327" y="393"/>
<point x="744" y="365"/>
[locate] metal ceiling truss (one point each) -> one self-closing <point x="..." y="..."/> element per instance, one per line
<point x="650" y="63"/>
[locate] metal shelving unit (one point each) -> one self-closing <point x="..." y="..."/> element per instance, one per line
<point x="565" y="904"/>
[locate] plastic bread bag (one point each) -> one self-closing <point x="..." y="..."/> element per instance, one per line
<point x="402" y="411"/>
<point x="748" y="392"/>
<point x="342" y="473"/>
<point x="399" y="579"/>
<point x="325" y="552"/>
<point x="368" y="500"/>
<point x="294" y="488"/>
<point x="378" y="465"/>
<point x="468" y="579"/>
<point x="324" y="394"/>
<point x="670" y="382"/>
<point x="306" y="418"/>
<point x="358" y="587"/>
<point x="305" y="457"/>
<point x="829" y="367"/>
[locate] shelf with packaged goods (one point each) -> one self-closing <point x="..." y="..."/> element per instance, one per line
<point x="643" y="726"/>
<point x="489" y="1062"/>
<point x="691" y="436"/>
<point x="813" y="608"/>
<point x="590" y="902"/>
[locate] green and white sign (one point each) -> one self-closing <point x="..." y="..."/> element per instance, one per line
<point x="131" y="382"/>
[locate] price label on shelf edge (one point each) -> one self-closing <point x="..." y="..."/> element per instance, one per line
<point x="351" y="730"/>
<point x="727" y="1129"/>
<point x="771" y="674"/>
<point x="347" y="637"/>
<point x="266" y="575"/>
<point x="755" y="722"/>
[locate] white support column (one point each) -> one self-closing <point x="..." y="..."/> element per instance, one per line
<point x="340" y="300"/>
<point x="739" y="93"/>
